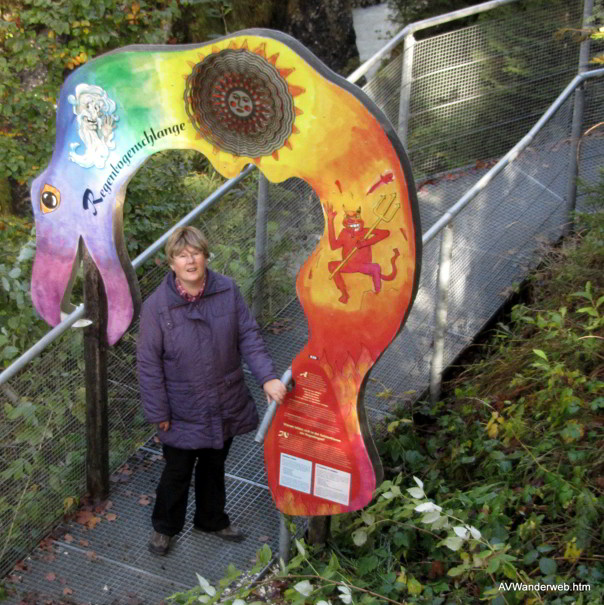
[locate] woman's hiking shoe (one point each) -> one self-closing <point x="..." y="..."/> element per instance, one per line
<point x="230" y="533"/>
<point x="159" y="543"/>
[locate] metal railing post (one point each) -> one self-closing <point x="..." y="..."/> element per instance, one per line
<point x="261" y="245"/>
<point x="406" y="81"/>
<point x="577" y="126"/>
<point x="440" y="314"/>
<point x="285" y="539"/>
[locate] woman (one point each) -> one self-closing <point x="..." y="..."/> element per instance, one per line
<point x="194" y="329"/>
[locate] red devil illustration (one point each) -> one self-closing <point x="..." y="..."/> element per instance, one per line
<point x="356" y="240"/>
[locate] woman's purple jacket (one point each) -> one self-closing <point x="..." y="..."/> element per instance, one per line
<point x="189" y="363"/>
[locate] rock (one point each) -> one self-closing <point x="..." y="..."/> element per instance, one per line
<point x="324" y="27"/>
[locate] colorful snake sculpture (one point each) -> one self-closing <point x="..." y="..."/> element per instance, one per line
<point x="259" y="97"/>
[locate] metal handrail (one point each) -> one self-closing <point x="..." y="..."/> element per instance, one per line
<point x="423" y="24"/>
<point x="78" y="313"/>
<point x="286" y="379"/>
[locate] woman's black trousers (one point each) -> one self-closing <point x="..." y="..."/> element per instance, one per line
<point x="173" y="490"/>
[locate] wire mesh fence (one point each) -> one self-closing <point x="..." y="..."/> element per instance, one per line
<point x="475" y="91"/>
<point x="42" y="409"/>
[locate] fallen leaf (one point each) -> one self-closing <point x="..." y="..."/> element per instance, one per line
<point x="111" y="516"/>
<point x="103" y="506"/>
<point x="263" y="538"/>
<point x="50" y="576"/>
<point x="91" y="555"/>
<point x="84" y="542"/>
<point x="49" y="558"/>
<point x="83" y="516"/>
<point x="482" y="164"/>
<point x="427" y="182"/>
<point x="67" y="591"/>
<point x="144" y="500"/>
<point x="46" y="544"/>
<point x="437" y="570"/>
<point x="119" y="478"/>
<point x="68" y="538"/>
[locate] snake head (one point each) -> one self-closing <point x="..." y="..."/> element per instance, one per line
<point x="64" y="226"/>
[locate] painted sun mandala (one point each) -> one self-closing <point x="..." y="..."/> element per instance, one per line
<point x="240" y="102"/>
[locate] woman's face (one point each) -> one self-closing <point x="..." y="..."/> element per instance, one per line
<point x="190" y="266"/>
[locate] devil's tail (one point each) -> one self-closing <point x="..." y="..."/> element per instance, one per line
<point x="392" y="274"/>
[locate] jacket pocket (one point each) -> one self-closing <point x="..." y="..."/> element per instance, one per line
<point x="167" y="327"/>
<point x="234" y="377"/>
<point x="182" y="401"/>
<point x="178" y="391"/>
<point x="236" y="396"/>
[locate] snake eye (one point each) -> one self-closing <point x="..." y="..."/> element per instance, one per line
<point x="50" y="199"/>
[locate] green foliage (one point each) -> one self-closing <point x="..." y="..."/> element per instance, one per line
<point x="167" y="187"/>
<point x="205" y="592"/>
<point x="43" y="417"/>
<point x="592" y="29"/>
<point x="529" y="415"/>
<point x="207" y="19"/>
<point x="19" y="325"/>
<point x="41" y="42"/>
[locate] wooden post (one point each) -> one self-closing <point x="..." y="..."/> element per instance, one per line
<point x="318" y="529"/>
<point x="95" y="358"/>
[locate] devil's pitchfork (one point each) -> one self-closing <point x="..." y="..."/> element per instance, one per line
<point x="384" y="213"/>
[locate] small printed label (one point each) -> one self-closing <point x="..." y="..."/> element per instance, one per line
<point x="295" y="472"/>
<point x="332" y="484"/>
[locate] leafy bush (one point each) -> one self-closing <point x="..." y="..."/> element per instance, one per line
<point x="19" y="325"/>
<point x="42" y="41"/>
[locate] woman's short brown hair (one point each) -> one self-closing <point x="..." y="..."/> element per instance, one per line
<point x="186" y="236"/>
